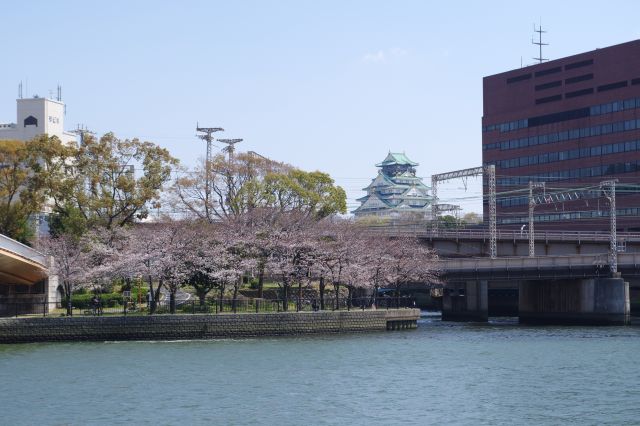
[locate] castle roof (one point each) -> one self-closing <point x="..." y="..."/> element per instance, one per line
<point x="394" y="158"/>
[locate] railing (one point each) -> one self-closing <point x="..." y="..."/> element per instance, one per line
<point x="539" y="262"/>
<point x="483" y="234"/>
<point x="21" y="250"/>
<point x="210" y="307"/>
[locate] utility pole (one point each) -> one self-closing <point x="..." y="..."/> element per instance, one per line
<point x="206" y="135"/>
<point x="532" y="204"/>
<point x="82" y="131"/>
<point x="230" y="148"/>
<point x="608" y="188"/>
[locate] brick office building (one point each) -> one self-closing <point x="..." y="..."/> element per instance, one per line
<point x="570" y="123"/>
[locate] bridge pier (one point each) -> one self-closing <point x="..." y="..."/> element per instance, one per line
<point x="465" y="301"/>
<point x="594" y="301"/>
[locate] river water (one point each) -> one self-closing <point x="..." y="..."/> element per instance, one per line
<point x="453" y="373"/>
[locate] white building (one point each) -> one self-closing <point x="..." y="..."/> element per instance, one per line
<point x="37" y="116"/>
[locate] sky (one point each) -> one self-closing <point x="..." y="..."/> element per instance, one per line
<point x="330" y="86"/>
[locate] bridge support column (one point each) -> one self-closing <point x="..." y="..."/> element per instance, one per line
<point x="466" y="301"/>
<point x="595" y="301"/>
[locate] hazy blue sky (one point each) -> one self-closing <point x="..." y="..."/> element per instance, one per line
<point x="329" y="85"/>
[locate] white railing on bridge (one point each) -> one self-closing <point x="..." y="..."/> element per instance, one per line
<point x="512" y="235"/>
<point x="512" y="263"/>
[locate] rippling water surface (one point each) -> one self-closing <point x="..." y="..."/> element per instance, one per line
<point x="496" y="373"/>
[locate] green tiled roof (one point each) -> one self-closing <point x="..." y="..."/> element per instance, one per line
<point x="396" y="158"/>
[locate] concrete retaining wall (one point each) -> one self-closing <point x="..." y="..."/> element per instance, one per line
<point x="174" y="327"/>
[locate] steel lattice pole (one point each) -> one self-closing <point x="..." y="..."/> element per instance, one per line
<point x="532" y="241"/>
<point x="493" y="248"/>
<point x="610" y="194"/>
<point x="532" y="204"/>
<point x="434" y="204"/>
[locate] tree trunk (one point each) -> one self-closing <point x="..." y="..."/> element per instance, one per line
<point x="322" y="293"/>
<point x="156" y="296"/>
<point x="375" y="295"/>
<point x="299" y="304"/>
<point x="220" y="296"/>
<point x="202" y="297"/>
<point x="261" y="280"/>
<point x="336" y="289"/>
<point x="67" y="296"/>
<point x="172" y="301"/>
<point x="152" y="301"/>
<point x="285" y="301"/>
<point x="235" y="297"/>
<point x="349" y="297"/>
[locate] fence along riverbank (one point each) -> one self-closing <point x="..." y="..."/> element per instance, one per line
<point x="17" y="308"/>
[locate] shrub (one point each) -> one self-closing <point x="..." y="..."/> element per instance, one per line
<point x="83" y="301"/>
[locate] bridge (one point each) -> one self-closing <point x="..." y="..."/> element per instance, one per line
<point x="580" y="289"/>
<point x="540" y="267"/>
<point x="23" y="277"/>
<point x="569" y="280"/>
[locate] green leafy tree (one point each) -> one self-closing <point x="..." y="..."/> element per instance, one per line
<point x="21" y="189"/>
<point x="312" y="193"/>
<point x="235" y="186"/>
<point x="104" y="186"/>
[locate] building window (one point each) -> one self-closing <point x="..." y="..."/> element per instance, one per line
<point x="548" y="99"/>
<point x="548" y="85"/>
<point x="30" y="121"/>
<point x="518" y="78"/>
<point x="577" y="93"/>
<point x="580" y="64"/>
<point x="578" y="79"/>
<point x="548" y="71"/>
<point x="612" y="86"/>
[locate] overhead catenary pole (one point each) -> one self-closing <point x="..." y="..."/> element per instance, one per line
<point x="493" y="231"/>
<point x="609" y="189"/>
<point x="490" y="172"/>
<point x="532" y="204"/>
<point x="434" y="204"/>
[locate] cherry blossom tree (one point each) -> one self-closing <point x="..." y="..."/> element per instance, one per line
<point x="72" y="263"/>
<point x="159" y="252"/>
<point x="410" y="262"/>
<point x="290" y="245"/>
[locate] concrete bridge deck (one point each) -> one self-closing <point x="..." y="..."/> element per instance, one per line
<point x="20" y="264"/>
<point x="539" y="267"/>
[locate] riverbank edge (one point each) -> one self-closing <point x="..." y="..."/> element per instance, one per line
<point x="189" y="327"/>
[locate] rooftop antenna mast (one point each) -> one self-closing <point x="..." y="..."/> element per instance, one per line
<point x="206" y="135"/>
<point x="539" y="43"/>
<point x="230" y="148"/>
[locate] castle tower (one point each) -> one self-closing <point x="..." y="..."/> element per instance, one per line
<point x="396" y="191"/>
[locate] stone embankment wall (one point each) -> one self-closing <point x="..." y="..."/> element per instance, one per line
<point x="174" y="327"/>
